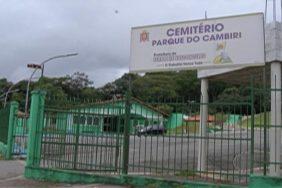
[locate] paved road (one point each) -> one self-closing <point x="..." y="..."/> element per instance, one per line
<point x="181" y="153"/>
<point x="226" y="152"/>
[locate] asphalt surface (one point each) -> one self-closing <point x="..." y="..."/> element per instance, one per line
<point x="228" y="152"/>
<point x="225" y="151"/>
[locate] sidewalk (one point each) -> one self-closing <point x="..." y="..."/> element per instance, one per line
<point x="11" y="175"/>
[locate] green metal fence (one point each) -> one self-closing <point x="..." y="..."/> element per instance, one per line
<point x="154" y="139"/>
<point x="267" y="133"/>
<point x="175" y="154"/>
<point x="160" y="138"/>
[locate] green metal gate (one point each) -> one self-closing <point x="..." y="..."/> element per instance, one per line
<point x="72" y="137"/>
<point x="69" y="142"/>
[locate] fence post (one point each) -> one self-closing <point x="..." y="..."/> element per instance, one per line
<point x="77" y="134"/>
<point x="14" y="106"/>
<point x="36" y="120"/>
<point x="125" y="155"/>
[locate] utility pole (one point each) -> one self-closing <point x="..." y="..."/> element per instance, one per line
<point x="276" y="98"/>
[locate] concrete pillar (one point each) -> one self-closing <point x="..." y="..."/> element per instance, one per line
<point x="275" y="130"/>
<point x="202" y="149"/>
<point x="36" y="121"/>
<point x="14" y="106"/>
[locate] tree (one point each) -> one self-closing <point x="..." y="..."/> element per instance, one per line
<point x="108" y="91"/>
<point x="154" y="86"/>
<point x="188" y="85"/>
<point x="122" y="84"/>
<point x="78" y="81"/>
<point x="232" y="95"/>
<point x="90" y="93"/>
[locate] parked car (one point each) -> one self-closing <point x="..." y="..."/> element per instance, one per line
<point x="152" y="130"/>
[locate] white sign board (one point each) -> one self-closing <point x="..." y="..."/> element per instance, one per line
<point x="212" y="43"/>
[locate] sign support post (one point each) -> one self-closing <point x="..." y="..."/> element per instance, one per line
<point x="202" y="149"/>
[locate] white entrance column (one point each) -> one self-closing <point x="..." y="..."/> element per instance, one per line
<point x="202" y="148"/>
<point x="275" y="130"/>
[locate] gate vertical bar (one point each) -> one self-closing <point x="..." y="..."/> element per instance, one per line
<point x="14" y="106"/>
<point x="264" y="122"/>
<point x="36" y="122"/>
<point x="252" y="126"/>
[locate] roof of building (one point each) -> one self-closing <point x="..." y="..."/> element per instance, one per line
<point x="120" y="102"/>
<point x="196" y="118"/>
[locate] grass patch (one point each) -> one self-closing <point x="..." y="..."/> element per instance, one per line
<point x="221" y="117"/>
<point x="258" y="120"/>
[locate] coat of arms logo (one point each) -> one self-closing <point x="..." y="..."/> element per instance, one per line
<point x="144" y="36"/>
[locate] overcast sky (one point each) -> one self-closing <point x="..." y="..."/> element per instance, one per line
<point x="99" y="30"/>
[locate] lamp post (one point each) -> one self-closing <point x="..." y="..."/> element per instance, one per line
<point x="6" y="96"/>
<point x="41" y="66"/>
<point x="7" y="93"/>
